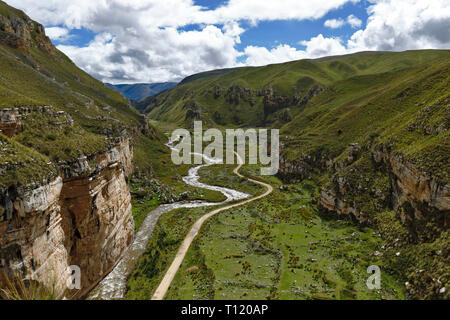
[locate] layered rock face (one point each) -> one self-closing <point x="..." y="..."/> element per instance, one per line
<point x="408" y="206"/>
<point x="31" y="234"/>
<point x="411" y="185"/>
<point x="19" y="31"/>
<point x="81" y="218"/>
<point x="11" y="121"/>
<point x="413" y="194"/>
<point x="98" y="222"/>
<point x="275" y="106"/>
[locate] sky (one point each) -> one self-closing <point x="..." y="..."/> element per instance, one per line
<point x="148" y="41"/>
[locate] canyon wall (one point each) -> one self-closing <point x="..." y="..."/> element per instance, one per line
<point x="388" y="179"/>
<point x="415" y="195"/>
<point x="407" y="205"/>
<point x="83" y="218"/>
<point x="64" y="196"/>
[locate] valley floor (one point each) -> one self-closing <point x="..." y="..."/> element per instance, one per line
<point x="276" y="248"/>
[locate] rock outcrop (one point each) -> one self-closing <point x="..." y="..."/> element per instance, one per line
<point x="273" y="102"/>
<point x="31" y="234"/>
<point x="81" y="218"/>
<point x="388" y="180"/>
<point x="421" y="192"/>
<point x="236" y="94"/>
<point x="11" y="119"/>
<point x="413" y="194"/>
<point x="20" y="32"/>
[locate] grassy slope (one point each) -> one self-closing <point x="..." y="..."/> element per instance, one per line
<point x="288" y="79"/>
<point x="400" y="100"/>
<point x="35" y="76"/>
<point x="383" y="105"/>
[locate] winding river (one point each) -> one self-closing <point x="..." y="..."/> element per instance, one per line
<point x="113" y="286"/>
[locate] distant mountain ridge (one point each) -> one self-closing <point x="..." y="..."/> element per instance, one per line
<point x="139" y="91"/>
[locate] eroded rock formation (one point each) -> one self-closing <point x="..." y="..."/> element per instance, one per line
<point x="422" y="192"/>
<point x="82" y="218"/>
<point x="11" y="119"/>
<point x="20" y="31"/>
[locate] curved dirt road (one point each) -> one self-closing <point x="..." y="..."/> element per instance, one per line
<point x="172" y="271"/>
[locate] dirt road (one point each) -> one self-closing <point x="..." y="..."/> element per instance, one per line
<point x="173" y="269"/>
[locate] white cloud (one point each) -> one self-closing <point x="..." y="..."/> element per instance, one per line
<point x="320" y="47"/>
<point x="392" y="25"/>
<point x="162" y="55"/>
<point x="403" y="25"/>
<point x="268" y="10"/>
<point x="233" y="30"/>
<point x="57" y="33"/>
<point x="354" y="21"/>
<point x="334" y="23"/>
<point x="174" y="13"/>
<point x="259" y="56"/>
<point x="141" y="40"/>
<point x="314" y="48"/>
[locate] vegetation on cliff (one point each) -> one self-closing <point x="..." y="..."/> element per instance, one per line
<point x="85" y="116"/>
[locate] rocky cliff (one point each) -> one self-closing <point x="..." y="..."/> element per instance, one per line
<point x="381" y="188"/>
<point x="82" y="217"/>
<point x="66" y="152"/>
<point x="414" y="194"/>
<point x="20" y="32"/>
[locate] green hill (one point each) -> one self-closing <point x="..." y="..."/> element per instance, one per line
<point x="85" y="117"/>
<point x="271" y="95"/>
<point x="371" y="130"/>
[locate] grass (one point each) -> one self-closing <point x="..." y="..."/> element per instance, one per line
<point x="168" y="235"/>
<point x="279" y="248"/>
<point x="60" y="142"/>
<point x="16" y="288"/>
<point x="35" y="76"/>
<point x="21" y="165"/>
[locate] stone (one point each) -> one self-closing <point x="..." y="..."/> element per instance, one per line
<point x="82" y="219"/>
